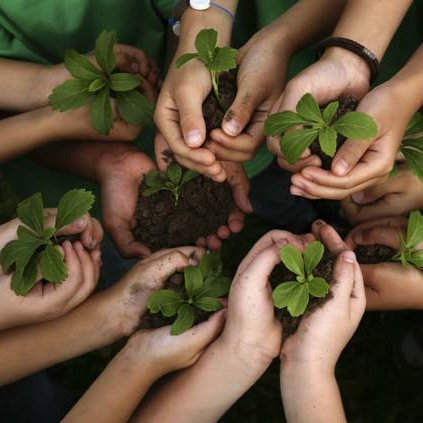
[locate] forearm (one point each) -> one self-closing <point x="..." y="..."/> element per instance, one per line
<point x="310" y="395"/>
<point x="203" y="392"/>
<point x="121" y="387"/>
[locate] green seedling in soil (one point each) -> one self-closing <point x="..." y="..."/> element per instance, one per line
<point x="216" y="59"/>
<point x="172" y="180"/>
<point x="296" y="295"/>
<point x="316" y="124"/>
<point x="35" y="249"/>
<point x="412" y="145"/>
<point x="204" y="285"/>
<point x="407" y="254"/>
<point x="98" y="85"/>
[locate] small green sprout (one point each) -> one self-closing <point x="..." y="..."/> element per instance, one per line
<point x="204" y="284"/>
<point x="316" y="124"/>
<point x="35" y="249"/>
<point x="296" y="295"/>
<point x="172" y="180"/>
<point x="407" y="254"/>
<point x="98" y="85"/>
<point x="216" y="59"/>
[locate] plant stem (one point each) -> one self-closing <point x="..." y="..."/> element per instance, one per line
<point x="215" y="83"/>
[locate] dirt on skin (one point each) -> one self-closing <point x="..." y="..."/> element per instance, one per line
<point x="373" y="254"/>
<point x="347" y="104"/>
<point x="157" y="320"/>
<point x="214" y="110"/>
<point x="203" y="206"/>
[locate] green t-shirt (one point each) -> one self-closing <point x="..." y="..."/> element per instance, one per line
<point x="42" y="30"/>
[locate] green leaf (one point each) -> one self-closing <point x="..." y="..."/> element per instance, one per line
<point x="80" y="66"/>
<point x="414" y="230"/>
<point x="416" y="124"/>
<point x="152" y="190"/>
<point x="70" y="95"/>
<point x="330" y="111"/>
<point x="96" y="85"/>
<point x="318" y="287"/>
<point x="29" y="237"/>
<point x="185" y="58"/>
<point x="184" y="320"/>
<point x="292" y="259"/>
<point x="413" y="153"/>
<point x="25" y="277"/>
<point x="294" y="143"/>
<point x="215" y="287"/>
<point x="416" y="259"/>
<point x="208" y="304"/>
<point x="210" y="264"/>
<point x="31" y="212"/>
<point x="224" y="59"/>
<point x="17" y="251"/>
<point x="313" y="254"/>
<point x="123" y="82"/>
<point x="189" y="175"/>
<point x="327" y="141"/>
<point x="284" y="293"/>
<point x="165" y="301"/>
<point x="299" y="302"/>
<point x="309" y="110"/>
<point x="52" y="265"/>
<point x="279" y="122"/>
<point x="174" y="173"/>
<point x="135" y="108"/>
<point x="154" y="179"/>
<point x="48" y="233"/>
<point x="101" y="112"/>
<point x="356" y="126"/>
<point x="193" y="280"/>
<point x="104" y="50"/>
<point x="205" y="43"/>
<point x="73" y="205"/>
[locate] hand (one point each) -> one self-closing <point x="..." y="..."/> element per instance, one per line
<point x="322" y="335"/>
<point x="50" y="301"/>
<point x="120" y="174"/>
<point x="397" y="195"/>
<point x="389" y="286"/>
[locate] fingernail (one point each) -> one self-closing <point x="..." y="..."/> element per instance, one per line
<point x="341" y="167"/>
<point x="319" y="222"/>
<point x="299" y="185"/>
<point x="358" y="237"/>
<point x="193" y="138"/>
<point x="349" y="257"/>
<point x="231" y="127"/>
<point x="192" y="261"/>
<point x="81" y="222"/>
<point x="296" y="191"/>
<point x="358" y="197"/>
<point x="93" y="242"/>
<point x="308" y="176"/>
<point x="281" y="243"/>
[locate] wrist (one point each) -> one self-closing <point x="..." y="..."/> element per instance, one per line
<point x="47" y="78"/>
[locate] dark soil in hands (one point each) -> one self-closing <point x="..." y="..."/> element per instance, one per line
<point x="203" y="207"/>
<point x="373" y="254"/>
<point x="282" y="274"/>
<point x="214" y="110"/>
<point x="157" y="320"/>
<point x="347" y="104"/>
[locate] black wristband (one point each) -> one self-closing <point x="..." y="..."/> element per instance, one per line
<point x="354" y="47"/>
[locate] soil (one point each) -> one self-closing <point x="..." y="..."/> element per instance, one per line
<point x="214" y="110"/>
<point x="157" y="320"/>
<point x="203" y="206"/>
<point x="373" y="254"/>
<point x="347" y="104"/>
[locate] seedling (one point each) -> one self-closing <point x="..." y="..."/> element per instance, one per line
<point x="216" y="59"/>
<point x="316" y="124"/>
<point x="412" y="145"/>
<point x="35" y="249"/>
<point x="98" y="85"/>
<point x="296" y="295"/>
<point x="204" y="284"/>
<point x="172" y="180"/>
<point x="407" y="255"/>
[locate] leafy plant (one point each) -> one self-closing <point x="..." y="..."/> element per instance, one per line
<point x="296" y="295"/>
<point x="35" y="251"/>
<point x="216" y="59"/>
<point x="407" y="254"/>
<point x="316" y="124"/>
<point x="412" y="145"/>
<point x="98" y="85"/>
<point x="172" y="180"/>
<point x="204" y="284"/>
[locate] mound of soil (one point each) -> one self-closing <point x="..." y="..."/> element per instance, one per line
<point x="373" y="254"/>
<point x="214" y="110"/>
<point x="157" y="320"/>
<point x="347" y="104"/>
<point x="203" y="206"/>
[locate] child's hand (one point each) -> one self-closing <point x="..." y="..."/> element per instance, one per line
<point x="49" y="301"/>
<point x="389" y="286"/>
<point x="323" y="334"/>
<point x="397" y="195"/>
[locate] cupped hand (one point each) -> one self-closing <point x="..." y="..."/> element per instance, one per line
<point x="399" y="194"/>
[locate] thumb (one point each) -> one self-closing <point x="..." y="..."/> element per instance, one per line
<point x="376" y="192"/>
<point x="160" y="148"/>
<point x="382" y="235"/>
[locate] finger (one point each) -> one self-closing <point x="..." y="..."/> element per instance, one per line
<point x="74" y="279"/>
<point x="96" y="257"/>
<point x="213" y="243"/>
<point x="126" y="243"/>
<point x="390" y="237"/>
<point x="224" y="232"/>
<point x="194" y="253"/>
<point x="358" y="291"/>
<point x="330" y="238"/>
<point x="377" y="191"/>
<point x="348" y="156"/>
<point x="223" y="153"/>
<point x="214" y="171"/>
<point x="243" y="143"/>
<point x="343" y="276"/>
<point x="240" y="184"/>
<point x="236" y="221"/>
<point x="310" y="161"/>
